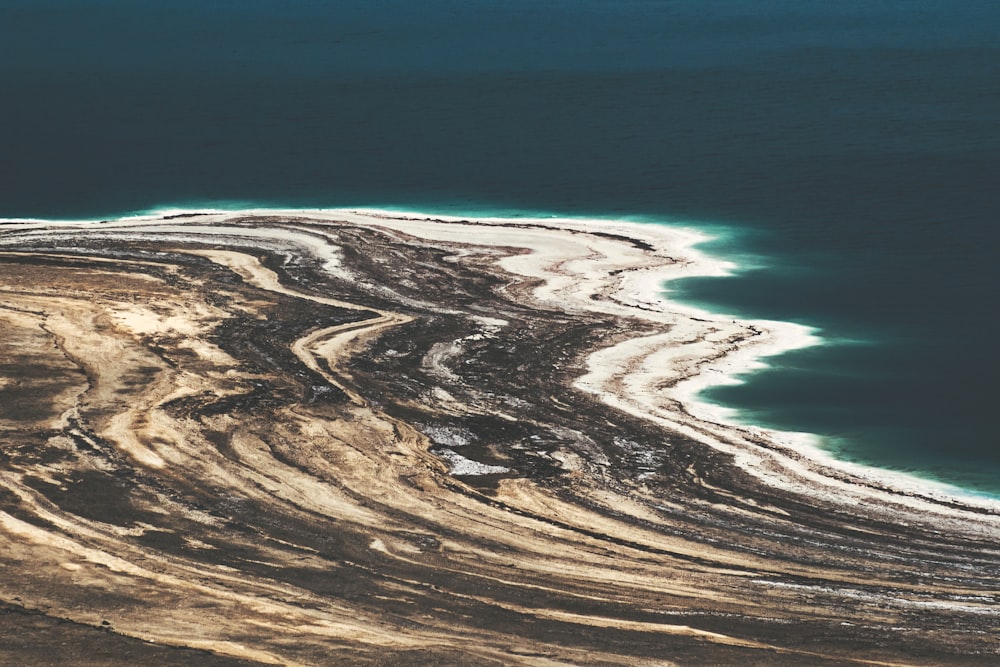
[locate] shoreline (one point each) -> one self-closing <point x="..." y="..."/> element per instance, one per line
<point x="301" y="437"/>
<point x="646" y="289"/>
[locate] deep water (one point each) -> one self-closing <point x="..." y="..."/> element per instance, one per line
<point x="848" y="152"/>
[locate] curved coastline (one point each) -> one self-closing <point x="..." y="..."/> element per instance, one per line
<point x="681" y="239"/>
<point x="596" y="493"/>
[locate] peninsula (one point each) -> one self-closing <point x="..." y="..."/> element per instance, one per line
<point x="362" y="437"/>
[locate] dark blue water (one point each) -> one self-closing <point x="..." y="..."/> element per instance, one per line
<point x="851" y="149"/>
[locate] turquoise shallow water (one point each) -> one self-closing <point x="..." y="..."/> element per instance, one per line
<point x="845" y="154"/>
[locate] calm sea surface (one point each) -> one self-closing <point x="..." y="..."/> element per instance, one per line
<point x="847" y="154"/>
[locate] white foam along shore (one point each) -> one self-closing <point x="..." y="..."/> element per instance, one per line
<point x="677" y="351"/>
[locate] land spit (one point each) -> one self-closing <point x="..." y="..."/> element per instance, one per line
<point x="317" y="438"/>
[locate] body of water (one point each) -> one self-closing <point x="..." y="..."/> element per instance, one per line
<point x="847" y="154"/>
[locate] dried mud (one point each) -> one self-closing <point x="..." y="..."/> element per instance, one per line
<point x="218" y="448"/>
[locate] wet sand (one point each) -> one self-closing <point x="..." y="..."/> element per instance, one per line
<point x="365" y="438"/>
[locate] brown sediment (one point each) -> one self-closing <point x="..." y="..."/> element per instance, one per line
<point x="230" y="438"/>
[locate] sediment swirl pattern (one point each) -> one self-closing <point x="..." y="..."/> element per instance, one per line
<point x="361" y="438"/>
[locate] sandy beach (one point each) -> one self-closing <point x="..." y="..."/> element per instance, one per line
<point x="370" y="437"/>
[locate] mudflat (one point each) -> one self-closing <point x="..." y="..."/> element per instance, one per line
<point x="343" y="437"/>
